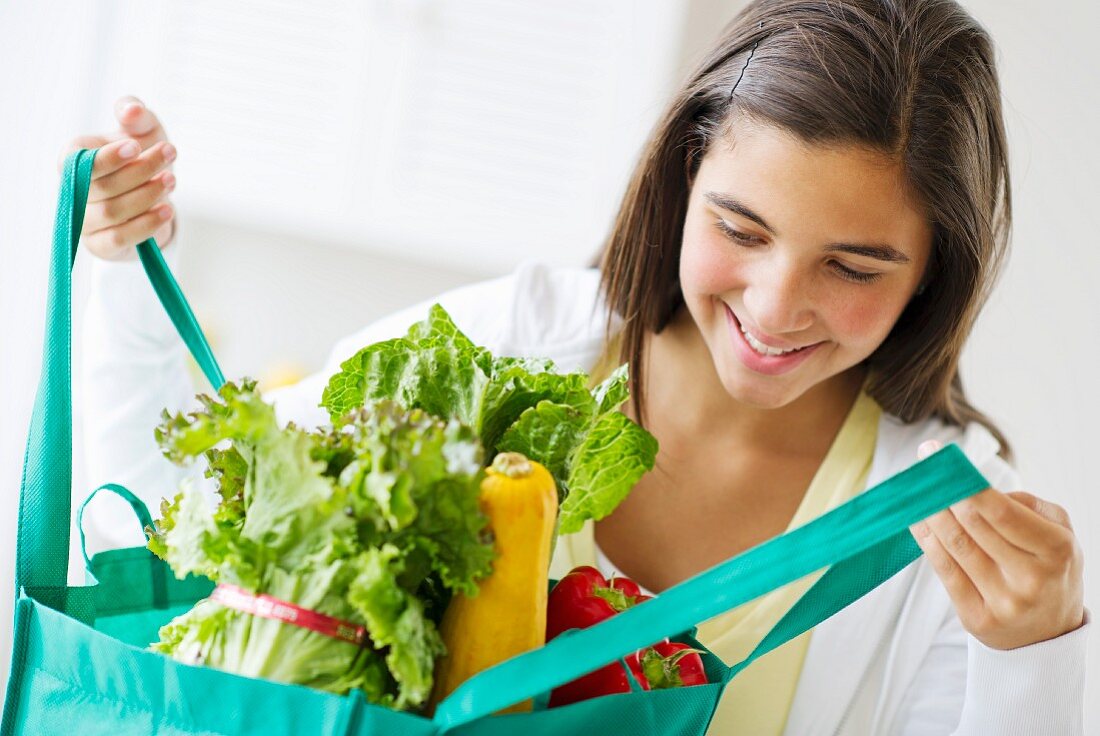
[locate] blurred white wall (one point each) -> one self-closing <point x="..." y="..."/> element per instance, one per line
<point x="1031" y="363"/>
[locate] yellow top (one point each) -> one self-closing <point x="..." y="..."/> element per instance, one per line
<point x="758" y="700"/>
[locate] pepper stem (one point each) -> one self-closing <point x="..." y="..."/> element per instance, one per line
<point x="512" y="465"/>
<point x="619" y="600"/>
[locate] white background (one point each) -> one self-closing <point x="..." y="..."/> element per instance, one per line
<point x="1031" y="364"/>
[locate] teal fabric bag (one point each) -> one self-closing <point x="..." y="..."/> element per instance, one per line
<point x="79" y="662"/>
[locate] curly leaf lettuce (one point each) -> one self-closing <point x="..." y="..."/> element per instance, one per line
<point x="375" y="521"/>
<point x="595" y="454"/>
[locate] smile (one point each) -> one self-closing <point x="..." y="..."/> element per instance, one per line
<point x="760" y="357"/>
<point x="764" y="349"/>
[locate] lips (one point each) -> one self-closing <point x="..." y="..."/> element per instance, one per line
<point x="770" y="365"/>
<point x="765" y="349"/>
<point x="769" y="342"/>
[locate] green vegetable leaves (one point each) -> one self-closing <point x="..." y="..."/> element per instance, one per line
<point x="595" y="454"/>
<point x="414" y="483"/>
<point x="376" y="519"/>
<point x="614" y="453"/>
<point x="395" y="619"/>
<point x="371" y="521"/>
<point x="435" y="368"/>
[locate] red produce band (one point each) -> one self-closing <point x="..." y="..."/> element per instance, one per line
<point x="266" y="606"/>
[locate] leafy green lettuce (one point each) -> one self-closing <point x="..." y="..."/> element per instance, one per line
<point x="374" y="520"/>
<point x="595" y="453"/>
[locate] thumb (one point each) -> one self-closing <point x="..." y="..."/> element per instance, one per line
<point x="928" y="447"/>
<point x="137" y="121"/>
<point x="1047" y="509"/>
<point x="1027" y="499"/>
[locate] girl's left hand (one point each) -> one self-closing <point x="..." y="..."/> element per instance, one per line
<point x="1010" y="563"/>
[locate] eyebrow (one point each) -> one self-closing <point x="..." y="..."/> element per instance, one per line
<point x="879" y="251"/>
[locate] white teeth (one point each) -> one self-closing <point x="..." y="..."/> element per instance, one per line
<point x="761" y="347"/>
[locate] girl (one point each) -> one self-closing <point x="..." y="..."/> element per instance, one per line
<point x="804" y="246"/>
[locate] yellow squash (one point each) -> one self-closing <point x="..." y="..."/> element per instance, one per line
<point x="508" y="615"/>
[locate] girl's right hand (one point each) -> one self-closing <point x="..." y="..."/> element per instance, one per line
<point x="131" y="181"/>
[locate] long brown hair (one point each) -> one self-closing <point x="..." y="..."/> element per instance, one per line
<point x="912" y="79"/>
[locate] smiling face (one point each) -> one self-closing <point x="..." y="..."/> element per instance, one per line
<point x="804" y="247"/>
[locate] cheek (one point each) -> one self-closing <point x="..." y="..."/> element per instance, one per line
<point x="863" y="320"/>
<point x="707" y="267"/>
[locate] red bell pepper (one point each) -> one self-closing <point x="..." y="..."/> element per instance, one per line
<point x="583" y="598"/>
<point x="663" y="665"/>
<point x="668" y="664"/>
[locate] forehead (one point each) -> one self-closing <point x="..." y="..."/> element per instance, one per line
<point x="814" y="190"/>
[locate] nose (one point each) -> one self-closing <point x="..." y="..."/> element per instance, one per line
<point x="778" y="298"/>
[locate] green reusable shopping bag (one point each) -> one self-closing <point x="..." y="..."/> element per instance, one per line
<point x="79" y="661"/>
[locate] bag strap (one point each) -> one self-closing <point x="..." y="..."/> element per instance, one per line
<point x="158" y="574"/>
<point x="851" y="531"/>
<point x="42" y="549"/>
<point x="843" y="584"/>
<point x="141" y="511"/>
<point x="179" y="311"/>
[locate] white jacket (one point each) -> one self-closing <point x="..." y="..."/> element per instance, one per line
<point x="896" y="662"/>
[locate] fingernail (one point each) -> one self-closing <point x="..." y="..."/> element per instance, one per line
<point x="169" y="152"/>
<point x="128" y="150"/>
<point x="131" y="106"/>
<point x="928" y="447"/>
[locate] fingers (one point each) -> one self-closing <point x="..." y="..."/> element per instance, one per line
<point x="952" y="552"/>
<point x="121" y="173"/>
<point x="83" y="141"/>
<point x="1010" y="563"/>
<point x="127" y="205"/>
<point x="136" y="122"/>
<point x="964" y="549"/>
<point x="131" y="179"/>
<point x="1046" y="509"/>
<point x="117" y="243"/>
<point x="117" y="210"/>
<point x="1007" y="526"/>
<point x="960" y="587"/>
<point x="971" y="514"/>
<point x="1028" y="529"/>
<point x="111" y="156"/>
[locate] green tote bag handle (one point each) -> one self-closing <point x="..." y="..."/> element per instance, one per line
<point x="42" y="549"/>
<point x="141" y="513"/>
